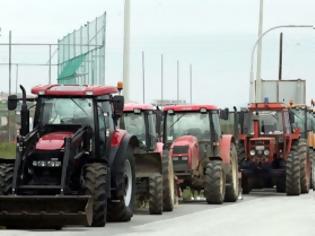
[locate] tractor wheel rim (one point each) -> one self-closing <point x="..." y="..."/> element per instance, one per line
<point x="234" y="176"/>
<point x="221" y="184"/>
<point x="171" y="181"/>
<point x="128" y="183"/>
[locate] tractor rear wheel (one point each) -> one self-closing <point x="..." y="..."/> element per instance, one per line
<point x="95" y="177"/>
<point x="302" y="151"/>
<point x="232" y="188"/>
<point x="6" y="178"/>
<point x="293" y="181"/>
<point x="121" y="209"/>
<point x="156" y="195"/>
<point x="168" y="183"/>
<point x="214" y="182"/>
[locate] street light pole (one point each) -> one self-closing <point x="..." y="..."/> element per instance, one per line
<point x="252" y="92"/>
<point x="126" y="56"/>
<point x="259" y="48"/>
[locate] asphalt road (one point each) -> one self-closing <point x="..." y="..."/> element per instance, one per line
<point x="260" y="213"/>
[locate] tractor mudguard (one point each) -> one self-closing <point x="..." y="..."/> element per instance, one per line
<point x="225" y="148"/>
<point x="118" y="154"/>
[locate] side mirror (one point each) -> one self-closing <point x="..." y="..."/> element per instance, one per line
<point x="224" y="114"/>
<point x="118" y="103"/>
<point x="12" y="102"/>
<point x="291" y="117"/>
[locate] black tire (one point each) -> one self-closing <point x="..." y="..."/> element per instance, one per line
<point x="168" y="183"/>
<point x="6" y="178"/>
<point x="232" y="187"/>
<point x="280" y="185"/>
<point x="95" y="181"/>
<point x="118" y="209"/>
<point x="302" y="151"/>
<point x="246" y="186"/>
<point x="214" y="182"/>
<point x="293" y="180"/>
<point x="156" y="195"/>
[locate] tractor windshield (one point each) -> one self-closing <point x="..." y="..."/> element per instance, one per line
<point x="271" y="122"/>
<point x="188" y="123"/>
<point x="134" y="123"/>
<point x="63" y="111"/>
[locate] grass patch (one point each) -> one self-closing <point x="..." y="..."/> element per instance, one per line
<point x="7" y="150"/>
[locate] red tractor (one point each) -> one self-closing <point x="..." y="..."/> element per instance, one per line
<point x="154" y="171"/>
<point x="203" y="158"/>
<point x="74" y="167"/>
<point x="271" y="152"/>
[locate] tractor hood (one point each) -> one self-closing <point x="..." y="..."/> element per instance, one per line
<point x="182" y="141"/>
<point x="52" y="141"/>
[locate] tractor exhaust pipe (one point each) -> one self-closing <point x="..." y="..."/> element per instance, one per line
<point x="25" y="114"/>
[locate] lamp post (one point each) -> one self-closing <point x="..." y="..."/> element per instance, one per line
<point x="126" y="55"/>
<point x="252" y="93"/>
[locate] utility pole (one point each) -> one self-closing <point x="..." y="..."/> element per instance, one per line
<point x="126" y="56"/>
<point x="190" y="80"/>
<point x="143" y="77"/>
<point x="177" y="81"/>
<point x="280" y="56"/>
<point x="162" y="77"/>
<point x="16" y="79"/>
<point x="10" y="78"/>
<point x="259" y="51"/>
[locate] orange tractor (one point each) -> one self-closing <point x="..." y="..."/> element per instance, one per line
<point x="203" y="158"/>
<point x="271" y="151"/>
<point x="154" y="171"/>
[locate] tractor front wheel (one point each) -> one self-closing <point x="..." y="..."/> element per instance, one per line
<point x="304" y="165"/>
<point x="214" y="182"/>
<point x="95" y="177"/>
<point x="6" y="178"/>
<point x="156" y="195"/>
<point x="168" y="183"/>
<point x="293" y="181"/>
<point x="232" y="188"/>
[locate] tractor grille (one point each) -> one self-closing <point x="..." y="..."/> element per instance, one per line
<point x="180" y="149"/>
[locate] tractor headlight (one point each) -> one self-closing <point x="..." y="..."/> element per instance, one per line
<point x="184" y="158"/>
<point x="266" y="152"/>
<point x="51" y="163"/>
<point x="252" y="152"/>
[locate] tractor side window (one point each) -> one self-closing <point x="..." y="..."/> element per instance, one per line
<point x="216" y="125"/>
<point x="287" y="125"/>
<point x="152" y="127"/>
<point x="102" y="131"/>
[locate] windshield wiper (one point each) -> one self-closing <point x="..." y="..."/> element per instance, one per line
<point x="78" y="105"/>
<point x="178" y="119"/>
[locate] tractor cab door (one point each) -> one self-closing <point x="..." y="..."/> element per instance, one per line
<point x="287" y="132"/>
<point x="105" y="126"/>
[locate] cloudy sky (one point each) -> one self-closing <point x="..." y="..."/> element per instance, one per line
<point x="216" y="36"/>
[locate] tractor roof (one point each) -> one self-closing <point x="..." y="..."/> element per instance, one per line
<point x="73" y="90"/>
<point x="181" y="108"/>
<point x="130" y="107"/>
<point x="267" y="106"/>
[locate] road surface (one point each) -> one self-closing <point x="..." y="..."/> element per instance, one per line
<point x="260" y="213"/>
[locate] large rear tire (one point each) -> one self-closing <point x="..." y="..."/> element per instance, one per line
<point x="95" y="176"/>
<point x="6" y="178"/>
<point x="121" y="209"/>
<point x="302" y="151"/>
<point x="293" y="180"/>
<point x="214" y="182"/>
<point x="232" y="188"/>
<point x="168" y="183"/>
<point x="156" y="195"/>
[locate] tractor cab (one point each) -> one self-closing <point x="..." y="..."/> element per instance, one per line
<point x="141" y="120"/>
<point x="188" y="124"/>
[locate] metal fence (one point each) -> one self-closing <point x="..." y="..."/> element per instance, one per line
<point x="81" y="54"/>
